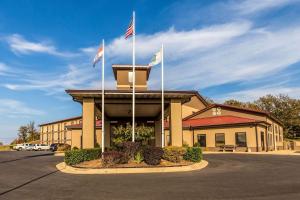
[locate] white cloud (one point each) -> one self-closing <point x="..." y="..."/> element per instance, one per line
<point x="181" y="43"/>
<point x="194" y="59"/>
<point x="254" y="94"/>
<point x="3" y="68"/>
<point x="255" y="55"/>
<point x="14" y="108"/>
<point x="80" y="76"/>
<point x="19" y="45"/>
<point x="254" y="6"/>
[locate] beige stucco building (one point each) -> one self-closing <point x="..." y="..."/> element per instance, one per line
<point x="189" y="119"/>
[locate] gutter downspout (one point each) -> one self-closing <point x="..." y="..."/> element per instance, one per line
<point x="256" y="137"/>
<point x="267" y="145"/>
<point x="275" y="144"/>
<point x="193" y="138"/>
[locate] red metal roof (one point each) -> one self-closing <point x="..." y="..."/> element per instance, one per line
<point x="217" y="120"/>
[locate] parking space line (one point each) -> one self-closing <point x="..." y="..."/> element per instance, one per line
<point x="28" y="182"/>
<point x="25" y="157"/>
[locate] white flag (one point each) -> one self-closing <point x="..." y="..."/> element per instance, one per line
<point x="156" y="59"/>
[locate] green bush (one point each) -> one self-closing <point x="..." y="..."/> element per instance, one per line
<point x="197" y="144"/>
<point x="97" y="145"/>
<point x="75" y="148"/>
<point x="139" y="157"/>
<point x="74" y="157"/>
<point x="174" y="154"/>
<point x="193" y="154"/>
<point x="110" y="158"/>
<point x="153" y="155"/>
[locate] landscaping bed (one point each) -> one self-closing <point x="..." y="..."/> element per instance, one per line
<point x="97" y="164"/>
<point x="133" y="155"/>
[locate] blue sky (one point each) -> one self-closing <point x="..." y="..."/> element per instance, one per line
<point x="239" y="49"/>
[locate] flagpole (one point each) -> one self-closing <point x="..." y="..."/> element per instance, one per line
<point x="102" y="117"/>
<point x="133" y="69"/>
<point x="162" y="98"/>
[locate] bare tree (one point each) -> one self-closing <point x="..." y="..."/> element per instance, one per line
<point x="32" y="132"/>
<point x="23" y="133"/>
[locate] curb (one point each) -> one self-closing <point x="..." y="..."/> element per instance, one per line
<point x="72" y="170"/>
<point x="256" y="153"/>
<point x="59" y="154"/>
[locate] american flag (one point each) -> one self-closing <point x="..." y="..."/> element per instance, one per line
<point x="98" y="55"/>
<point x="130" y="29"/>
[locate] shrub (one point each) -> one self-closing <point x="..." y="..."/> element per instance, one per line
<point x="193" y="154"/>
<point x="75" y="148"/>
<point x="144" y="134"/>
<point x="121" y="134"/>
<point x="74" y="157"/>
<point x="97" y="145"/>
<point x="130" y="148"/>
<point x="174" y="154"/>
<point x="197" y="144"/>
<point x="111" y="158"/>
<point x="185" y="144"/>
<point x="139" y="157"/>
<point x="153" y="155"/>
<point x="63" y="147"/>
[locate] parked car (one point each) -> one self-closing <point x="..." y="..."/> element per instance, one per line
<point x="53" y="147"/>
<point x="21" y="147"/>
<point x="30" y="147"/>
<point x="41" y="147"/>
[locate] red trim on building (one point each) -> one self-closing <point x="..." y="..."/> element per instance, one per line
<point x="217" y="120"/>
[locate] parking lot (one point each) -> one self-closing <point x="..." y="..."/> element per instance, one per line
<point x="32" y="175"/>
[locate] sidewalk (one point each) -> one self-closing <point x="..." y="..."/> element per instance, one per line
<point x="279" y="152"/>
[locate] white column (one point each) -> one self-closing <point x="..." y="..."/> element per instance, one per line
<point x="102" y="111"/>
<point x="133" y="69"/>
<point x="162" y="98"/>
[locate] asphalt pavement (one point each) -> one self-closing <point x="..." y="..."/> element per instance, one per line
<point x="32" y="175"/>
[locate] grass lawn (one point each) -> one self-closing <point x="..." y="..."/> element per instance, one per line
<point x="6" y="147"/>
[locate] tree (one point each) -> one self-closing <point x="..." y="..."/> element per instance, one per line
<point x="1" y="143"/>
<point x="33" y="134"/>
<point x="233" y="102"/>
<point x="284" y="108"/>
<point x="124" y="133"/>
<point x="144" y="134"/>
<point x="209" y="100"/>
<point x="121" y="134"/>
<point x="23" y="133"/>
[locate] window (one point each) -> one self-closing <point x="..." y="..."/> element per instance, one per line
<point x="220" y="139"/>
<point x="201" y="139"/>
<point x="216" y="111"/>
<point x="168" y="140"/>
<point x="240" y="139"/>
<point x="130" y="77"/>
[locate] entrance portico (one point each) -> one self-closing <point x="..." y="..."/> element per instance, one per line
<point x="118" y="107"/>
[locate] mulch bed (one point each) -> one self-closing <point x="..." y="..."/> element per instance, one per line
<point x="97" y="164"/>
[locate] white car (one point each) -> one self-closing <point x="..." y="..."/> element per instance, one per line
<point x="22" y="147"/>
<point x="41" y="147"/>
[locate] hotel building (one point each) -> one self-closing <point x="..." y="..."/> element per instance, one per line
<point x="189" y="119"/>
